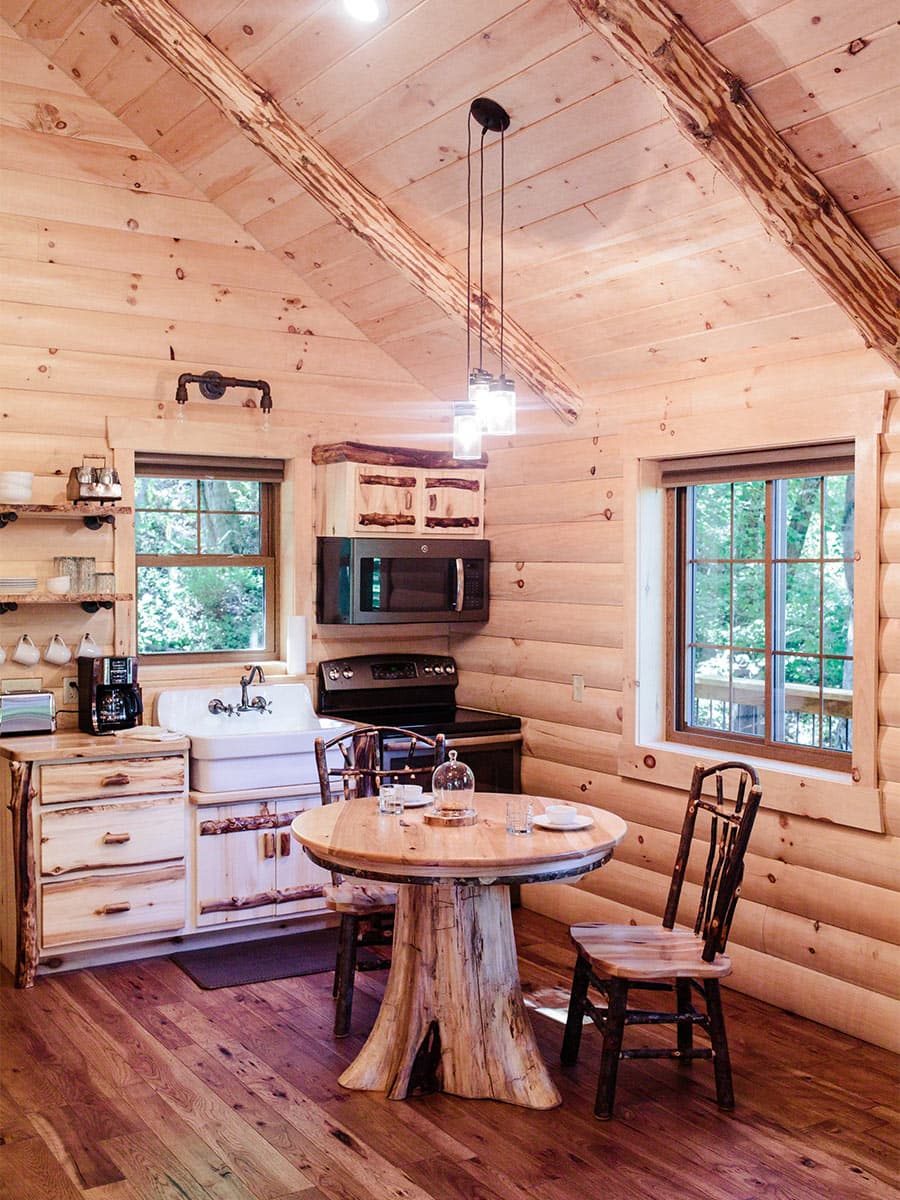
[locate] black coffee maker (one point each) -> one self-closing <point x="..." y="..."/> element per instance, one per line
<point x="109" y="698"/>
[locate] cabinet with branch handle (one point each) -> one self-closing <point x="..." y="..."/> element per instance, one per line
<point x="366" y="490"/>
<point x="93" y="846"/>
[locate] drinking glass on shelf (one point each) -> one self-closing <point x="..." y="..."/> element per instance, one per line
<point x="519" y="814"/>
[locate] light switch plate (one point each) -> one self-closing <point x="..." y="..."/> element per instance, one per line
<point x="578" y="688"/>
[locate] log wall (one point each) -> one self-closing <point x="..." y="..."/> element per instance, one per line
<point x="817" y="928"/>
<point x="117" y="275"/>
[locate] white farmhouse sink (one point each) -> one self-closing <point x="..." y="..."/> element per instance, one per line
<point x="252" y="749"/>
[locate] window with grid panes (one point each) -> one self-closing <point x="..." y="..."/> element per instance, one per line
<point x="205" y="556"/>
<point x="762" y="609"/>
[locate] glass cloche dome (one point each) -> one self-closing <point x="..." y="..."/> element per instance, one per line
<point x="453" y="786"/>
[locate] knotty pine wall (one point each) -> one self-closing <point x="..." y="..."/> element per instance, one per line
<point x="817" y="928"/>
<point x="116" y="276"/>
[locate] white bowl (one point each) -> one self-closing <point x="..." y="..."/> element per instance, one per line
<point x="59" y="584"/>
<point x="562" y="814"/>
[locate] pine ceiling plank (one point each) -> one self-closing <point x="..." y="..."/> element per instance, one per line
<point x="854" y="72"/>
<point x="200" y="132"/>
<point x="95" y="162"/>
<point x="848" y="133"/>
<point x="713" y="18"/>
<point x="157" y="23"/>
<point x="23" y="64"/>
<point x="153" y="111"/>
<point x="60" y="114"/>
<point x="49" y="21"/>
<point x="712" y="110"/>
<point x="293" y="220"/>
<point x="792" y="34"/>
<point x="864" y="181"/>
<point x="92" y="44"/>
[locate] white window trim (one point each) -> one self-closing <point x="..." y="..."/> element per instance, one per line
<point x="852" y="799"/>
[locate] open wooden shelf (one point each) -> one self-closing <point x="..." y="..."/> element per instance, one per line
<point x="87" y="508"/>
<point x="90" y="602"/>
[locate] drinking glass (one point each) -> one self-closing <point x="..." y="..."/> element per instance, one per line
<point x="519" y="814"/>
<point x="389" y="800"/>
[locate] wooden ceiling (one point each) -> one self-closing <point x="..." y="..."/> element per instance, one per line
<point x="629" y="259"/>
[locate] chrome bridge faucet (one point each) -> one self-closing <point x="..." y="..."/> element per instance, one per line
<point x="257" y="704"/>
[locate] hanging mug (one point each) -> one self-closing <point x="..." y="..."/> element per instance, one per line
<point x="2" y="655"/>
<point x="87" y="647"/>
<point x="26" y="652"/>
<point x="57" y="651"/>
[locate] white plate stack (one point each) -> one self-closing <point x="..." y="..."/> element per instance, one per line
<point x="16" y="486"/>
<point x="16" y="585"/>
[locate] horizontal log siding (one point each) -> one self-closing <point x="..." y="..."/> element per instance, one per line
<point x="817" y="928"/>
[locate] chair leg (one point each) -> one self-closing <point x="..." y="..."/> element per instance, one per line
<point x="685" y="1028"/>
<point x="345" y="972"/>
<point x="340" y="951"/>
<point x="575" y="1020"/>
<point x="721" y="1057"/>
<point x="613" y="1032"/>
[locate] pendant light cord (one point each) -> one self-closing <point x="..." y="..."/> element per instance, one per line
<point x="481" y="253"/>
<point x="502" y="221"/>
<point x="469" y="251"/>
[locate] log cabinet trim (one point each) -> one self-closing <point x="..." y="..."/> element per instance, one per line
<point x="853" y="800"/>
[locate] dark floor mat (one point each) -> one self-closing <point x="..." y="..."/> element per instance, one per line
<point x="269" y="958"/>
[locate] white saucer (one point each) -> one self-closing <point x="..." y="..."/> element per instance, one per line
<point x="543" y="822"/>
<point x="425" y="798"/>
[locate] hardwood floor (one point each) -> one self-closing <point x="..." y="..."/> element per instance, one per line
<point x="129" y="1082"/>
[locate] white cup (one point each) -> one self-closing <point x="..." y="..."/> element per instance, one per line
<point x="561" y="814"/>
<point x="409" y="793"/>
<point x="87" y="647"/>
<point x="59" y="584"/>
<point x="26" y="652"/>
<point x="57" y="651"/>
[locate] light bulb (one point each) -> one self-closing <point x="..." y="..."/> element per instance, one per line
<point x="479" y="386"/>
<point x="365" y="10"/>
<point x="498" y="409"/>
<point x="466" y="432"/>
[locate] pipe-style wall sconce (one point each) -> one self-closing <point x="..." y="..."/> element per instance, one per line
<point x="213" y="387"/>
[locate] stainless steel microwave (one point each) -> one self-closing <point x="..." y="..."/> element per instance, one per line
<point x="396" y="581"/>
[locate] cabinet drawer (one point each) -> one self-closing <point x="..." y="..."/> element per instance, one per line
<point x="117" y="777"/>
<point x="112" y="906"/>
<point x="111" y="835"/>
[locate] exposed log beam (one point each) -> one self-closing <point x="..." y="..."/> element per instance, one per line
<point x="266" y="123"/>
<point x="712" y="109"/>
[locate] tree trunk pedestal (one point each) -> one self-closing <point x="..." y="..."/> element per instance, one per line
<point x="453" y="1018"/>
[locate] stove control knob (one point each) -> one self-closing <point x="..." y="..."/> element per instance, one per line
<point x="347" y="673"/>
<point x="428" y="668"/>
<point x="438" y="669"/>
<point x="450" y="668"/>
<point x="334" y="673"/>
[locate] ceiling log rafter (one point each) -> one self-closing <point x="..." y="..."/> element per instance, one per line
<point x="712" y="110"/>
<point x="266" y="123"/>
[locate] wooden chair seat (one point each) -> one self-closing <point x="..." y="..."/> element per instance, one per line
<point x="646" y="952"/>
<point x="361" y="896"/>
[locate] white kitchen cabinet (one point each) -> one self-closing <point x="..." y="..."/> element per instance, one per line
<point x="248" y="865"/>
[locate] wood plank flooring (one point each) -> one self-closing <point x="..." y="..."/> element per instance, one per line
<point x="130" y="1083"/>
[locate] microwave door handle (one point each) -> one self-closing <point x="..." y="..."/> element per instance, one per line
<point x="460" y="584"/>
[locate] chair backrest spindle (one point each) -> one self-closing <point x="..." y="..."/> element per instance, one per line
<point x="729" y="832"/>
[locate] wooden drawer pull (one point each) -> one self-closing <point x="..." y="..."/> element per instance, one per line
<point x="268" y="845"/>
<point x="120" y="779"/>
<point x="285" y="843"/>
<point x="116" y="839"/>
<point x="109" y="910"/>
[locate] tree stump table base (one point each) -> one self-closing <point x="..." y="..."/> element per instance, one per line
<point x="453" y="1018"/>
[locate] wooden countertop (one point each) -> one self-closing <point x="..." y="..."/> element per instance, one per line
<point x="57" y="747"/>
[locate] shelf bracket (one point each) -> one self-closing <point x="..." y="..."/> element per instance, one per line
<point x="8" y="606"/>
<point x="92" y="606"/>
<point x="99" y="522"/>
<point x="7" y="518"/>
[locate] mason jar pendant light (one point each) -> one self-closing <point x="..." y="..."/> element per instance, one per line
<point x="490" y="404"/>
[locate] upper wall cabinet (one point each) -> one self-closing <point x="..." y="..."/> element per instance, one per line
<point x="402" y="492"/>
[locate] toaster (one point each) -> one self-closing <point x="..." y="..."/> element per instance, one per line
<point x="27" y="712"/>
<point x="93" y="483"/>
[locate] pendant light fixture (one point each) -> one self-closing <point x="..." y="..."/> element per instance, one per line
<point x="490" y="404"/>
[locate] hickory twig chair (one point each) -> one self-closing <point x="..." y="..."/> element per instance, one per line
<point x="366" y="908"/>
<point x="616" y="958"/>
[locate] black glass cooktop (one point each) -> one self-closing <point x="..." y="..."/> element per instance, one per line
<point x="459" y="721"/>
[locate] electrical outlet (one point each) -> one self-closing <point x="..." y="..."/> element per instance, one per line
<point x="578" y="689"/>
<point x="70" y="690"/>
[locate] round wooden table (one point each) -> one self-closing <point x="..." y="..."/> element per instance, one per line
<point x="453" y="1018"/>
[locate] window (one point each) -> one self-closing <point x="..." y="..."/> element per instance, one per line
<point x="762" y="608"/>
<point x="205" y="556"/>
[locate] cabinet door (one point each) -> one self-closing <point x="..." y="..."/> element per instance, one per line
<point x="386" y="498"/>
<point x="453" y="502"/>
<point x="299" y="881"/>
<point x="237" y="847"/>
